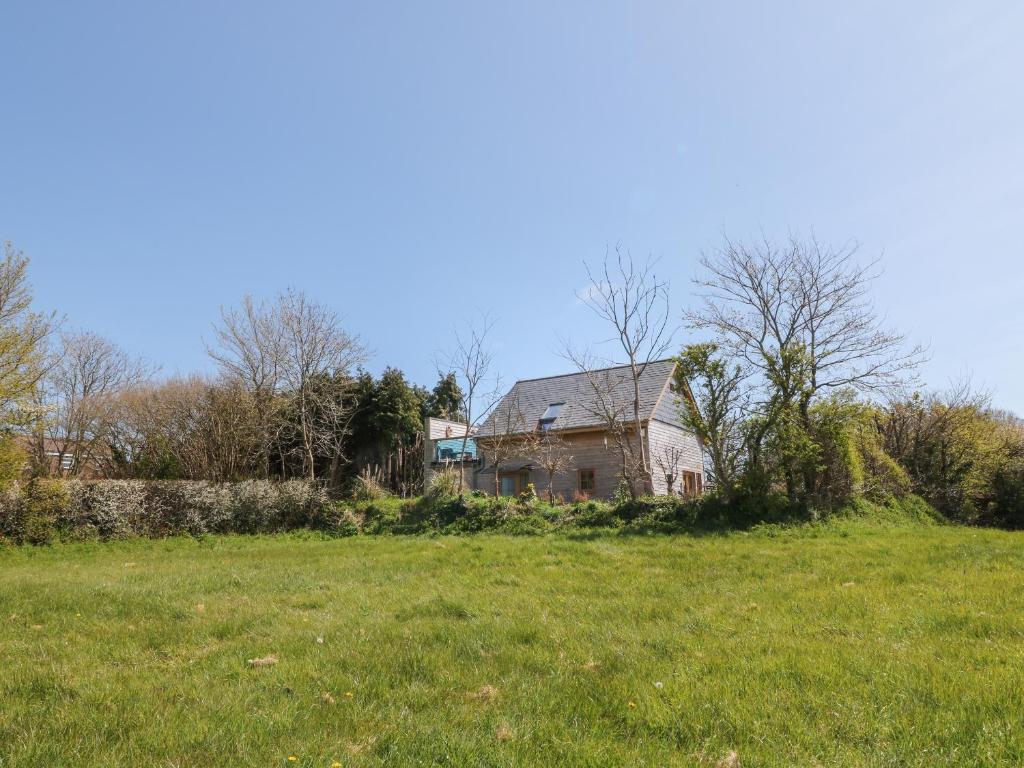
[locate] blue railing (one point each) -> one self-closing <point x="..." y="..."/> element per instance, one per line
<point x="451" y="449"/>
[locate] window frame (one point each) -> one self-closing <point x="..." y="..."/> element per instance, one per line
<point x="593" y="480"/>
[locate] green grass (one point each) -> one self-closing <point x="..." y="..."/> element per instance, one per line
<point x="845" y="644"/>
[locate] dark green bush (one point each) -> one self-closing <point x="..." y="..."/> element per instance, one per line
<point x="38" y="512"/>
<point x="593" y="514"/>
<point x="526" y="525"/>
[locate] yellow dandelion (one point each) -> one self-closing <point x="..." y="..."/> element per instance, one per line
<point x="335" y="764"/>
<point x="292" y="759"/>
<point x="349" y="694"/>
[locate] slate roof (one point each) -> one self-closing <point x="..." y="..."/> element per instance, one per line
<point x="525" y="403"/>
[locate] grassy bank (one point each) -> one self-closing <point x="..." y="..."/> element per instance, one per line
<point x="849" y="643"/>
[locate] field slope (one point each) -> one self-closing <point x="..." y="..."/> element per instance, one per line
<point x="842" y="645"/>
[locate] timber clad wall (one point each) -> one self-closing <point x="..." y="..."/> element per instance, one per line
<point x="589" y="451"/>
<point x="661" y="436"/>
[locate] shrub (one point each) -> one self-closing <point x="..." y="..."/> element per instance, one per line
<point x="1007" y="507"/>
<point x="594" y="515"/>
<point x="365" y="487"/>
<point x="252" y="508"/>
<point x="379" y="518"/>
<point x="444" y="484"/>
<point x="662" y="513"/>
<point x="12" y="462"/>
<point x="183" y="507"/>
<point x="334" y="519"/>
<point x="298" y="502"/>
<point x="37" y="511"/>
<point x="113" y="509"/>
<point x="529" y="494"/>
<point x="525" y="525"/>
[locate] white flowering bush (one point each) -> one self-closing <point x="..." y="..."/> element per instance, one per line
<point x="115" y="509"/>
<point x="112" y="509"/>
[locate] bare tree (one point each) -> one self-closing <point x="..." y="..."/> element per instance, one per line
<point x="293" y="356"/>
<point x="634" y="302"/>
<point x="800" y="318"/>
<point x="248" y="350"/>
<point x="551" y="454"/>
<point x="87" y="374"/>
<point x="471" y="361"/>
<point x="186" y="428"/>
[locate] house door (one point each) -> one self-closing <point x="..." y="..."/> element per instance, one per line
<point x="513" y="483"/>
<point x="508" y="485"/>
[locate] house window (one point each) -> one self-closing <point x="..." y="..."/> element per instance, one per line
<point x="549" y="416"/>
<point x="587" y="481"/>
<point x="693" y="484"/>
<point x="67" y="461"/>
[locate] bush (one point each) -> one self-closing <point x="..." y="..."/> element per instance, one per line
<point x="594" y="514"/>
<point x="113" y="509"/>
<point x="1007" y="506"/>
<point x="334" y="520"/>
<point x="12" y="462"/>
<point x="365" y="487"/>
<point x="444" y="484"/>
<point x="525" y="525"/>
<point x="37" y="511"/>
<point x="251" y="508"/>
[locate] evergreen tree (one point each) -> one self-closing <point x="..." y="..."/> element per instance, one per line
<point x="445" y="401"/>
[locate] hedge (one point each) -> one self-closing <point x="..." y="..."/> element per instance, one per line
<point x="41" y="511"/>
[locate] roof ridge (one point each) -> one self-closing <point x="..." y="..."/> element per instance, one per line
<point x="595" y="370"/>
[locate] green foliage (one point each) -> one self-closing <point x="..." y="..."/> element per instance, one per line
<point x="529" y="494"/>
<point x="22" y="341"/>
<point x="12" y="462"/>
<point x="122" y="509"/>
<point x="1007" y="505"/>
<point x="364" y="487"/>
<point x="444" y="484"/>
<point x="958" y="454"/>
<point x="37" y="512"/>
<point x="622" y="494"/>
<point x="446" y="399"/>
<point x="595" y="515"/>
<point x="712" y="403"/>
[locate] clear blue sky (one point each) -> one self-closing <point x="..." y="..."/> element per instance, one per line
<point x="411" y="163"/>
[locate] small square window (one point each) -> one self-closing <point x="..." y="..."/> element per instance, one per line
<point x="588" y="481"/>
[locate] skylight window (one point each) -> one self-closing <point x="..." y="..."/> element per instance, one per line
<point x="550" y="415"/>
<point x="552" y="412"/>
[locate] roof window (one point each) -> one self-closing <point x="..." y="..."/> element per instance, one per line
<point x="549" y="416"/>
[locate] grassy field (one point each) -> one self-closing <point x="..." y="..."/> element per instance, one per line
<point x="849" y="644"/>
